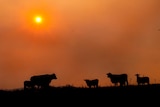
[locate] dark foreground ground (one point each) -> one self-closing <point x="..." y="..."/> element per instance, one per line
<point x="73" y="96"/>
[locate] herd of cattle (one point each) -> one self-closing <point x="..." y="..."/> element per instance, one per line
<point x="43" y="81"/>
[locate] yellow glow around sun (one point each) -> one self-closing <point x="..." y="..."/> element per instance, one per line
<point x="38" y="19"/>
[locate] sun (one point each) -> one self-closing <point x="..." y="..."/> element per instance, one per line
<point x="38" y="19"/>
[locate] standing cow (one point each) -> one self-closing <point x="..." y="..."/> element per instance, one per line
<point x="122" y="79"/>
<point x="142" y="80"/>
<point x="42" y="81"/>
<point x="91" y="83"/>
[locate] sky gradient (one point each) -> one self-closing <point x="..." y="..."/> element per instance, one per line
<point x="79" y="39"/>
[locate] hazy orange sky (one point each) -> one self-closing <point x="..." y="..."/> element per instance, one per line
<point x="79" y="39"/>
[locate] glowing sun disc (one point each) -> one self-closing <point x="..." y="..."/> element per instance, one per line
<point x="38" y="19"/>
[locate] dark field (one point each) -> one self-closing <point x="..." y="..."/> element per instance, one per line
<point x="74" y="96"/>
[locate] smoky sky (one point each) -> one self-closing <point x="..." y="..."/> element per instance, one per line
<point x="89" y="39"/>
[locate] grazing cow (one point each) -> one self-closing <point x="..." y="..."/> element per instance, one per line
<point x="28" y="84"/>
<point x="122" y="79"/>
<point x="42" y="81"/>
<point x="91" y="83"/>
<point x="142" y="80"/>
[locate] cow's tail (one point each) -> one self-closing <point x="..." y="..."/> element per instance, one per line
<point x="127" y="81"/>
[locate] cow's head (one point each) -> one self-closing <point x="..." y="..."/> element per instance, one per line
<point x="86" y="80"/>
<point x="137" y="75"/>
<point x="53" y="76"/>
<point x="109" y="74"/>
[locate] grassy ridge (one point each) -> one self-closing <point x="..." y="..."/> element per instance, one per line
<point x="82" y="96"/>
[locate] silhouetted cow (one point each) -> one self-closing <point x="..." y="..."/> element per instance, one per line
<point x="91" y="83"/>
<point x="142" y="80"/>
<point x="42" y="81"/>
<point x="122" y="79"/>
